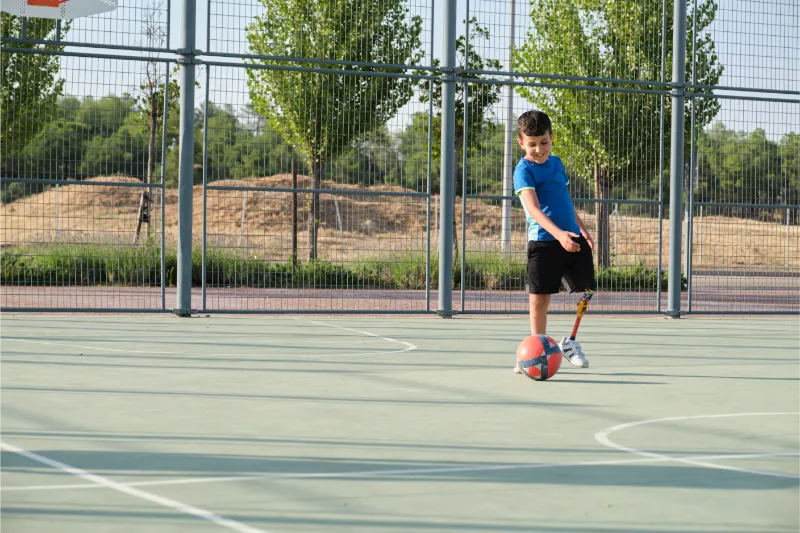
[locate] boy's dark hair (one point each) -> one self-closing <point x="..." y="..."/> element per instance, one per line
<point x="534" y="124"/>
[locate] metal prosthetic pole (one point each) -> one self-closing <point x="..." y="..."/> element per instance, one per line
<point x="582" y="306"/>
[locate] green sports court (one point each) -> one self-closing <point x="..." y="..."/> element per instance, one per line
<point x="266" y="265"/>
<point x="327" y="424"/>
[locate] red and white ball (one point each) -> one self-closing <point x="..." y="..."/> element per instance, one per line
<point x="539" y="357"/>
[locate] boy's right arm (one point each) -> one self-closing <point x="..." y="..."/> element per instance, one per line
<point x="531" y="201"/>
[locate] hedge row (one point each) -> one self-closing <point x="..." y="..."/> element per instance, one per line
<point x="74" y="264"/>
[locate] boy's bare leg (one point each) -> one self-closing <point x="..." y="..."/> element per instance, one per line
<point x="538" y="312"/>
<point x="539" y="304"/>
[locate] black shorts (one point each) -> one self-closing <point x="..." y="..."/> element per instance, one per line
<point x="549" y="263"/>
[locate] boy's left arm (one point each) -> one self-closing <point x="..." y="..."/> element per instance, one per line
<point x="584" y="231"/>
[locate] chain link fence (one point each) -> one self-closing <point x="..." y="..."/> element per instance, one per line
<point x="306" y="171"/>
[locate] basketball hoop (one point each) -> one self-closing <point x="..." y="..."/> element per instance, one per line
<point x="57" y="9"/>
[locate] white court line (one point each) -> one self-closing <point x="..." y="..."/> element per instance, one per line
<point x="408" y="346"/>
<point x="602" y="438"/>
<point x="160" y="500"/>
<point x="239" y="354"/>
<point x="287" y="342"/>
<point x="82" y="347"/>
<point x="396" y="472"/>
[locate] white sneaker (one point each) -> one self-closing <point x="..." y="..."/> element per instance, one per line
<point x="573" y="352"/>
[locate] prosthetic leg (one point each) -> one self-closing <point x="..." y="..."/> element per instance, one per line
<point x="569" y="346"/>
<point x="583" y="304"/>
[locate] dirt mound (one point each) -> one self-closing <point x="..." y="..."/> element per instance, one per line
<point x="354" y="225"/>
<point x="103" y="212"/>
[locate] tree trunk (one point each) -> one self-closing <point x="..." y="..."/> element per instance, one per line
<point x="601" y="192"/>
<point x="313" y="219"/>
<point x="458" y="145"/>
<point x="294" y="213"/>
<point x="143" y="215"/>
<point x="455" y="200"/>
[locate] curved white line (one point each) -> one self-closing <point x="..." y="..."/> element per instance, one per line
<point x="408" y="346"/>
<point x="602" y="438"/>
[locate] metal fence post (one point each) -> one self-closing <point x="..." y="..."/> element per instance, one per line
<point x="676" y="158"/>
<point x="428" y="185"/>
<point x="692" y="171"/>
<point x="446" y="182"/>
<point x="165" y="123"/>
<point x="186" y="157"/>
<point x="508" y="155"/>
<point x="205" y="192"/>
<point x="464" y="153"/>
<point x="661" y="150"/>
<point x="690" y="215"/>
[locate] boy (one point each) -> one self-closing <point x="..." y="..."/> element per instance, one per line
<point x="559" y="246"/>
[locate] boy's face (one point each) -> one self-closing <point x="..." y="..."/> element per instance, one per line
<point x="537" y="149"/>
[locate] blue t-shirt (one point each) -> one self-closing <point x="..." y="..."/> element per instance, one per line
<point x="549" y="180"/>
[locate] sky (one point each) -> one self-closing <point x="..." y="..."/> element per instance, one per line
<point x="758" y="43"/>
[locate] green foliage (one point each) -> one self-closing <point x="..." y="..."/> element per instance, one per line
<point x="66" y="147"/>
<point x="150" y="97"/>
<point x="103" y="136"/>
<point x="57" y="144"/>
<point x="75" y="264"/>
<point x="789" y="154"/>
<point x="104" y="115"/>
<point x="235" y="151"/>
<point x="30" y="83"/>
<point x="633" y="278"/>
<point x="95" y="264"/>
<point x="735" y="157"/>
<point x="741" y="167"/>
<point x="497" y="272"/>
<point x="373" y="161"/>
<point x="412" y="150"/>
<point x="324" y="114"/>
<point x="618" y="39"/>
<point x="480" y="97"/>
<point x="123" y="152"/>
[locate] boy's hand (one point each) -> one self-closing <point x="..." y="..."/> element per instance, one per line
<point x="588" y="238"/>
<point x="565" y="238"/>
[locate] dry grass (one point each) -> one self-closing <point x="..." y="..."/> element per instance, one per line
<point x="355" y="226"/>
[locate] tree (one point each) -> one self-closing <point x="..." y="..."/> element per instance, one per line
<point x="324" y="114"/>
<point x="124" y="152"/>
<point x="58" y="143"/>
<point x="480" y="98"/>
<point x="29" y="84"/>
<point x="150" y="102"/>
<point x="608" y="136"/>
<point x="484" y="158"/>
<point x="59" y="148"/>
<point x="789" y="152"/>
<point x="241" y="145"/>
<point x="370" y="161"/>
<point x="749" y="168"/>
<point x="103" y="115"/>
<point x="412" y="152"/>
